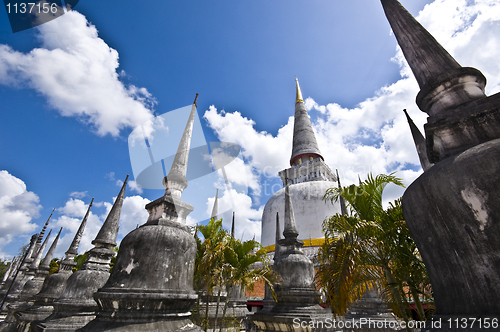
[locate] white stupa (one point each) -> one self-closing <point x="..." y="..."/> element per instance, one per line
<point x="309" y="178"/>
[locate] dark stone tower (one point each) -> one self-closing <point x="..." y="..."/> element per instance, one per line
<point x="76" y="306"/>
<point x="453" y="209"/>
<point x="151" y="285"/>
<point x="296" y="294"/>
<point x="54" y="284"/>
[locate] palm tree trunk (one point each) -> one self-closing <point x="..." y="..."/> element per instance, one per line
<point x="217" y="308"/>
<point x="418" y="304"/>
<point x="229" y="290"/>
<point x="206" y="322"/>
<point x="394" y="291"/>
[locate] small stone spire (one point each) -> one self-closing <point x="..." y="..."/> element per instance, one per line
<point x="73" y="248"/>
<point x="232" y="227"/>
<point x="175" y="182"/>
<point x="46" y="261"/>
<point x="298" y="98"/>
<point x="40" y="236"/>
<point x="278" y="238"/>
<point x="109" y="230"/>
<point x="290" y="232"/>
<point x="343" y="209"/>
<point x="216" y="206"/>
<point x="359" y="180"/>
<point x="304" y="140"/>
<point x="431" y="64"/>
<point x="36" y="261"/>
<point x="9" y="270"/>
<point x="420" y="144"/>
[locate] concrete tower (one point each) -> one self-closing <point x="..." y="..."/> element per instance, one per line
<point x="76" y="306"/>
<point x="309" y="178"/>
<point x="54" y="284"/>
<point x="453" y="208"/>
<point x="297" y="298"/>
<point x="151" y="285"/>
<point x="23" y="275"/>
<point x="33" y="286"/>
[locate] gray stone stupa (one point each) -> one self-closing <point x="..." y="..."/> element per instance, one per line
<point x="76" y="306"/>
<point x="151" y="285"/>
<point x="453" y="208"/>
<point x="54" y="284"/>
<point x="297" y="295"/>
<point x="33" y="286"/>
<point x="23" y="275"/>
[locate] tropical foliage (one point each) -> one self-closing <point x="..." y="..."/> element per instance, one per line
<point x="223" y="265"/>
<point x="54" y="265"/>
<point x="371" y="248"/>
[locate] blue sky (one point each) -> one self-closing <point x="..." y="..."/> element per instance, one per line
<point x="73" y="89"/>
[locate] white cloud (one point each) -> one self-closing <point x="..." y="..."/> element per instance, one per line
<point x="78" y="194"/>
<point x="135" y="187"/>
<point x="132" y="214"/>
<point x="72" y="214"/>
<point x="18" y="207"/>
<point x="75" y="71"/>
<point x="246" y="220"/>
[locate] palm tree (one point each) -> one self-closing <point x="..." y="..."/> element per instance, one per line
<point x="209" y="262"/>
<point x="370" y="248"/>
<point x="240" y="267"/>
<point x="224" y="261"/>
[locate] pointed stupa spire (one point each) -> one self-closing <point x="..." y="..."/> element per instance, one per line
<point x="73" y="248"/>
<point x="9" y="270"/>
<point x="359" y="180"/>
<point x="298" y="95"/>
<point x="42" y="233"/>
<point x="175" y="182"/>
<point x="343" y="209"/>
<point x="290" y="231"/>
<point x="420" y="144"/>
<point x="109" y="230"/>
<point x="36" y="261"/>
<point x="278" y="238"/>
<point x="216" y="205"/>
<point x="232" y="227"/>
<point x="431" y="64"/>
<point x="46" y="261"/>
<point x="304" y="140"/>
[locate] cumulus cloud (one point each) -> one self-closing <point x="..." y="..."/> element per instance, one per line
<point x="132" y="214"/>
<point x="76" y="71"/>
<point x="246" y="218"/>
<point x="18" y="207"/>
<point x="78" y="194"/>
<point x="374" y="136"/>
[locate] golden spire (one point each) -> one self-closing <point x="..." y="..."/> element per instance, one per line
<point x="299" y="94"/>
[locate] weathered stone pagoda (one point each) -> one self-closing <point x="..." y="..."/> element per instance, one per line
<point x="297" y="296"/>
<point x="453" y="208"/>
<point x="309" y="177"/>
<point x="151" y="285"/>
<point x="22" y="277"/>
<point x="76" y="306"/>
<point x="33" y="286"/>
<point x="54" y="284"/>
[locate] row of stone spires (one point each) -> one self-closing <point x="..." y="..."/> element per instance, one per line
<point x="38" y="294"/>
